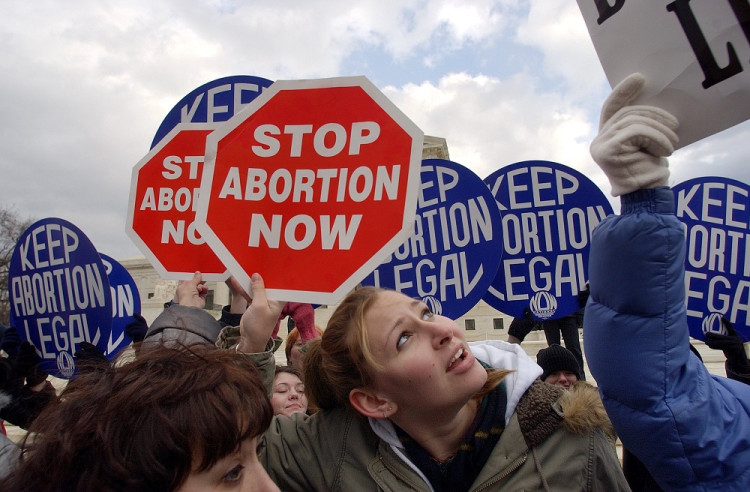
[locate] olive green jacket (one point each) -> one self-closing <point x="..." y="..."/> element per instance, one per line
<point x="555" y="440"/>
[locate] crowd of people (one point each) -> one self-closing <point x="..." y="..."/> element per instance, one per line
<point x="390" y="396"/>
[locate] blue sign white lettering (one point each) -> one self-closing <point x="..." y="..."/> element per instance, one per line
<point x="59" y="293"/>
<point x="126" y="301"/>
<point x="548" y="214"/>
<point x="716" y="214"/>
<point x="453" y="255"/>
<point x="213" y="102"/>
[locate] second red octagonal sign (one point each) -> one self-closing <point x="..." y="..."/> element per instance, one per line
<point x="312" y="185"/>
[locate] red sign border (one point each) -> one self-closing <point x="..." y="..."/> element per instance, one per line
<point x="413" y="183"/>
<point x="136" y="238"/>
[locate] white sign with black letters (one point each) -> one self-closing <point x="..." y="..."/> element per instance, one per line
<point x="695" y="55"/>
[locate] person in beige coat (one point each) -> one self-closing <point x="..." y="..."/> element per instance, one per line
<point x="407" y="404"/>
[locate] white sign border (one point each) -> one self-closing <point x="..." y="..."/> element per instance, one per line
<point x="412" y="187"/>
<point x="130" y="231"/>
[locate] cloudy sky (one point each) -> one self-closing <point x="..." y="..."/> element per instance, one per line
<point x="86" y="84"/>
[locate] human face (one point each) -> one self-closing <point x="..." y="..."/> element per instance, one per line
<point x="288" y="395"/>
<point x="426" y="365"/>
<point x="238" y="471"/>
<point x="562" y="378"/>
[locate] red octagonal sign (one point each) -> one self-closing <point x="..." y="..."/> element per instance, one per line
<point x="163" y="199"/>
<point x="312" y="185"/>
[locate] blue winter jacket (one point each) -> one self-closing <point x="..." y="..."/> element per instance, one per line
<point x="691" y="429"/>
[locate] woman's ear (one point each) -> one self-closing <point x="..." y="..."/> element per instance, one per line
<point x="369" y="404"/>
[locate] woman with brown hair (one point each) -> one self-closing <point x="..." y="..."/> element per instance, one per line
<point x="406" y="404"/>
<point x="174" y="419"/>
<point x="288" y="395"/>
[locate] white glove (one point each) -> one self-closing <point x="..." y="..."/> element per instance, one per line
<point x="633" y="141"/>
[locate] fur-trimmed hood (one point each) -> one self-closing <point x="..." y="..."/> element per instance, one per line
<point x="546" y="407"/>
<point x="584" y="411"/>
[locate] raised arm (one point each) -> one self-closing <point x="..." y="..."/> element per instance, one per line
<point x="192" y="292"/>
<point x="259" y="319"/>
<point x="689" y="428"/>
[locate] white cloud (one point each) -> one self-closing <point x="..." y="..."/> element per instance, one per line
<point x="86" y="84"/>
<point x="490" y="123"/>
<point x="557" y="29"/>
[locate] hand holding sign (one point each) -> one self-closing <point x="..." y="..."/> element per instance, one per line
<point x="633" y="141"/>
<point x="136" y="330"/>
<point x="259" y="319"/>
<point x="192" y="292"/>
<point x="10" y="341"/>
<point x="729" y="342"/>
<point x="28" y="365"/>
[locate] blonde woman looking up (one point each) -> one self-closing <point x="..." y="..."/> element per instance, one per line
<point x="407" y="404"/>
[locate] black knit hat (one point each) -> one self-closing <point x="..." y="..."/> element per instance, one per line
<point x="557" y="358"/>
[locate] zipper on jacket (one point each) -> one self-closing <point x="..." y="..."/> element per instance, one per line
<point x="513" y="467"/>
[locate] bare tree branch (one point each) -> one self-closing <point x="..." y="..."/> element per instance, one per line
<point x="12" y="226"/>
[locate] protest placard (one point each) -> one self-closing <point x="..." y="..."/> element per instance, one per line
<point x="59" y="293"/>
<point x="695" y="56"/>
<point x="549" y="212"/>
<point x="453" y="255"/>
<point x="716" y="214"/>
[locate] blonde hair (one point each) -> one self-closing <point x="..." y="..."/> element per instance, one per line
<point x="341" y="360"/>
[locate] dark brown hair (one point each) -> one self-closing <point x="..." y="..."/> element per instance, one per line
<point x="144" y="425"/>
<point x="288" y="369"/>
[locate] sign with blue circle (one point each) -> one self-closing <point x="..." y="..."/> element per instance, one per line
<point x="549" y="211"/>
<point x="126" y="301"/>
<point x="716" y="215"/>
<point x="452" y="256"/>
<point x="213" y="102"/>
<point x="59" y="293"/>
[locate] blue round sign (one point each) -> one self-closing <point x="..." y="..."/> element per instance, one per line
<point x="213" y="102"/>
<point x="453" y="255"/>
<point x="126" y="301"/>
<point x="548" y="214"/>
<point x="716" y="214"/>
<point x="59" y="293"/>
